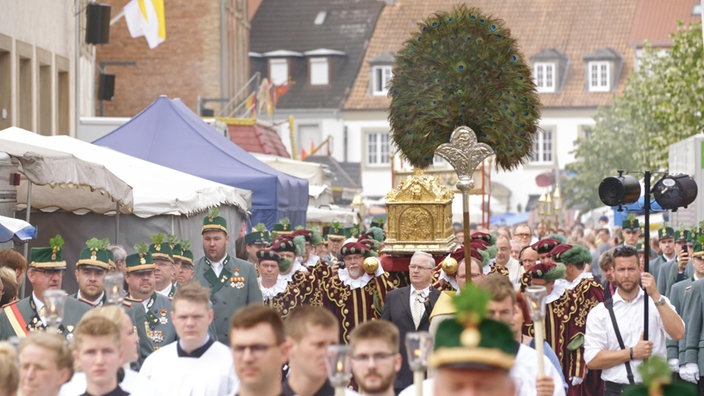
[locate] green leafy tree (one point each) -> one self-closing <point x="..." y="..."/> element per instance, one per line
<point x="661" y="104"/>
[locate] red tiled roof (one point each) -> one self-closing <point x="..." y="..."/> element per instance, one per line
<point x="254" y="137"/>
<point x="574" y="28"/>
<point x="656" y="20"/>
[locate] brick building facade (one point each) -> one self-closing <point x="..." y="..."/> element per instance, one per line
<point x="197" y="60"/>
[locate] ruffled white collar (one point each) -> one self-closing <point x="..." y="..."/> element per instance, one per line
<point x="271" y="292"/>
<point x="347" y="280"/>
<point x="558" y="289"/>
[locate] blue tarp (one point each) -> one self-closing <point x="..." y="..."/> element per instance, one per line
<point x="170" y="134"/>
<point x="637" y="207"/>
<point x="509" y="218"/>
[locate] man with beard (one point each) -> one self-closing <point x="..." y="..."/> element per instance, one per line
<point x="232" y="282"/>
<point x="375" y="357"/>
<point x="29" y="314"/>
<point x="151" y="310"/>
<point x="353" y="294"/>
<point x="93" y="262"/>
<point x="623" y="313"/>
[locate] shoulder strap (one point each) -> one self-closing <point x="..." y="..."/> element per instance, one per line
<point x="609" y="304"/>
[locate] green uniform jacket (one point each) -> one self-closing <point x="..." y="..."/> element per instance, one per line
<point x="679" y="297"/>
<point x="153" y="324"/>
<point x="235" y="288"/>
<point x="694" y="331"/>
<point x="73" y="312"/>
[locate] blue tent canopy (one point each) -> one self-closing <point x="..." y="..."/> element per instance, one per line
<point x="637" y="207"/>
<point x="170" y="134"/>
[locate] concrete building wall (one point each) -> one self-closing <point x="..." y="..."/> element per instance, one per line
<point x="37" y="65"/>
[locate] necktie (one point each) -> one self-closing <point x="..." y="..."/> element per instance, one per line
<point x="417" y="307"/>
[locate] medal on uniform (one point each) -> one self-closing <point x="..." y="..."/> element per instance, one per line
<point x="163" y="319"/>
<point x="237" y="281"/>
<point x="156" y="335"/>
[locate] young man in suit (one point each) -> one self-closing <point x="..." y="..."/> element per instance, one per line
<point x="409" y="307"/>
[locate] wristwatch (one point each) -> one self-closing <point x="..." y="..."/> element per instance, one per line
<point x="660" y="301"/>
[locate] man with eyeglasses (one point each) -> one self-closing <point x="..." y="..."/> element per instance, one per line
<point x="523" y="235"/>
<point x="259" y="350"/>
<point x="27" y="315"/>
<point x="619" y="361"/>
<point x="196" y="364"/>
<point x="375" y="357"/>
<point x="409" y="307"/>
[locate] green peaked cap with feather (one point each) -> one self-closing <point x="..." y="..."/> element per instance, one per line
<point x="49" y="257"/>
<point x="182" y="251"/>
<point x="160" y="249"/>
<point x="140" y="261"/>
<point x="259" y="235"/>
<point x="96" y="254"/>
<point x="463" y="68"/>
<point x="283" y="227"/>
<point x="214" y="222"/>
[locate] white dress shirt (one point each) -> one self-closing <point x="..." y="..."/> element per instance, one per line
<point x="600" y="333"/>
<point x="424" y="293"/>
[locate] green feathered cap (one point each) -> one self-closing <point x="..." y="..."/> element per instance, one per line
<point x="548" y="271"/>
<point x="571" y="254"/>
<point x="471" y="340"/>
<point x="259" y="235"/>
<point x="140" y="261"/>
<point x="268" y="255"/>
<point x="283" y="227"/>
<point x="182" y="251"/>
<point x="378" y="222"/>
<point x="697" y="249"/>
<point x="666" y="232"/>
<point x="49" y="257"/>
<point x="214" y="222"/>
<point x="160" y="250"/>
<point x="630" y="223"/>
<point x="335" y="231"/>
<point x="657" y="380"/>
<point x="96" y="255"/>
<point x="683" y="235"/>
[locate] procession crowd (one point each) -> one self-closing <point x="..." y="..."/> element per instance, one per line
<point x="263" y="321"/>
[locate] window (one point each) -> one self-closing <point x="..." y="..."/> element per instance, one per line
<point x="542" y="147"/>
<point x="278" y="71"/>
<point x="544" y="75"/>
<point x="381" y="75"/>
<point x="599" y="77"/>
<point x="378" y="148"/>
<point x="319" y="71"/>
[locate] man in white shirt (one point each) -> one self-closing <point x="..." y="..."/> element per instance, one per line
<point x="196" y="364"/>
<point x="602" y="349"/>
<point x="504" y="259"/>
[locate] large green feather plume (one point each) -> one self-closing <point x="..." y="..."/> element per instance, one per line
<point x="463" y="68"/>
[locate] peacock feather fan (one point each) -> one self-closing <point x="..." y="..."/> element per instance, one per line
<point x="463" y="68"/>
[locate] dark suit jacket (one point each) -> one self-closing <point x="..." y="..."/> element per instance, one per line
<point x="397" y="309"/>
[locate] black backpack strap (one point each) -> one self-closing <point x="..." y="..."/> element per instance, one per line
<point x="609" y="304"/>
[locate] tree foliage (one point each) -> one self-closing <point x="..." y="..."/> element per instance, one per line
<point x="661" y="104"/>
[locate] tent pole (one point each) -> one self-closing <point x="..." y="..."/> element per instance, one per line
<point x="26" y="245"/>
<point x="117" y="223"/>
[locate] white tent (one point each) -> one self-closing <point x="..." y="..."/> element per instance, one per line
<point x="163" y="200"/>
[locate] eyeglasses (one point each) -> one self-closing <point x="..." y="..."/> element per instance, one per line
<point x="255" y="349"/>
<point x="376" y="357"/>
<point x="624" y="251"/>
<point x="418" y="267"/>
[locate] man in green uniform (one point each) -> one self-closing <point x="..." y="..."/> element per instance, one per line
<point x="45" y="273"/>
<point x="93" y="262"/>
<point x="232" y="282"/>
<point x="151" y="310"/>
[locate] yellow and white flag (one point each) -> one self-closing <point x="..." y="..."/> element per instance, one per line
<point x="146" y="18"/>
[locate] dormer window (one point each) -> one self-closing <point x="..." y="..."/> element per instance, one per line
<point x="603" y="69"/>
<point x="549" y="70"/>
<point x="599" y="76"/>
<point x="544" y="74"/>
<point x="278" y="71"/>
<point x="319" y="71"/>
<point x="381" y="68"/>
